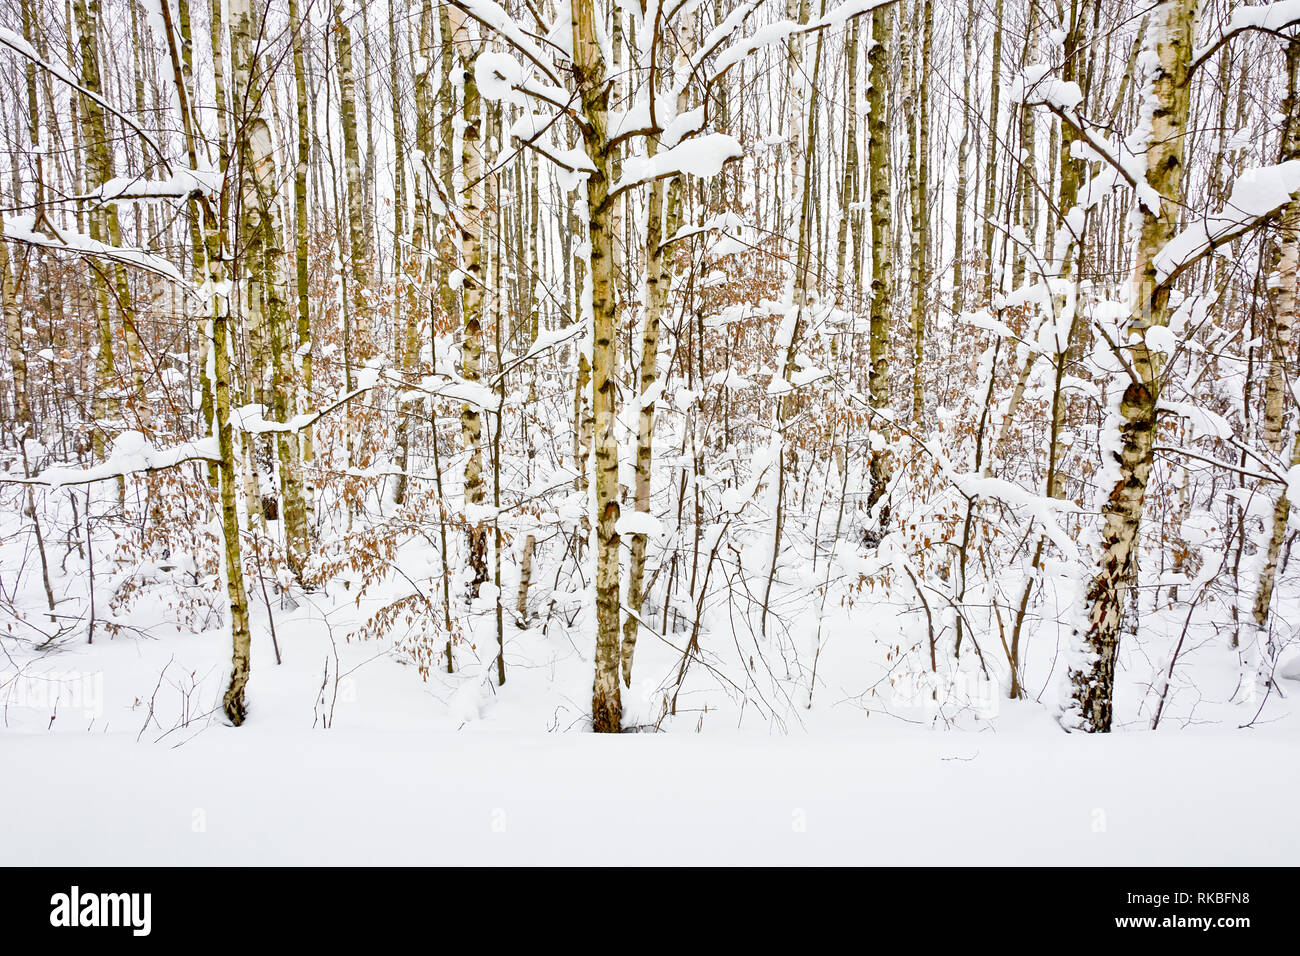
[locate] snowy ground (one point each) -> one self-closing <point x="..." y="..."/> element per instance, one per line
<point x="1018" y="795"/>
<point x="417" y="773"/>
<point x="115" y="752"/>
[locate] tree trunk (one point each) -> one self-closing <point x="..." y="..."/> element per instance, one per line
<point x="301" y="535"/>
<point x="920" y="217"/>
<point x="357" y="257"/>
<point x="881" y="260"/>
<point x="991" y="153"/>
<point x="1282" y="365"/>
<point x="593" y="85"/>
<point x="471" y="242"/>
<point x="1127" y="449"/>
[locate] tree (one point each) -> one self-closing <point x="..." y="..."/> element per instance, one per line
<point x="1132" y="422"/>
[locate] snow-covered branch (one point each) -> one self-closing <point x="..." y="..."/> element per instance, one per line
<point x="1256" y="195"/>
<point x="131" y="454"/>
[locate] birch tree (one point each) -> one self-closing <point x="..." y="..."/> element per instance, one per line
<point x="1131" y="425"/>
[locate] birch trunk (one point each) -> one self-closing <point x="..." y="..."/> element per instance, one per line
<point x="959" y="227"/>
<point x="991" y="153"/>
<point x="13" y="338"/>
<point x="920" y="219"/>
<point x="98" y="171"/>
<point x="664" y="197"/>
<point x="304" y="350"/>
<point x="245" y="28"/>
<point x="593" y="85"/>
<point x="1127" y="451"/>
<point x="881" y="260"/>
<point x="471" y="241"/>
<point x="406" y="257"/>
<point x="357" y="332"/>
<point x="1282" y="365"/>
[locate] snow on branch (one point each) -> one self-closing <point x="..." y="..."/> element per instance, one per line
<point x="184" y="184"/>
<point x="20" y="46"/>
<point x="1267" y="17"/>
<point x="719" y="223"/>
<point x="251" y="418"/>
<point x="1256" y="195"/>
<point x="531" y="130"/>
<point x="701" y="156"/>
<point x="22" y="229"/>
<point x="546" y="340"/>
<point x="1043" y="509"/>
<point x="721" y="33"/>
<point x="1036" y="87"/>
<point x="446" y="384"/>
<point x="1203" y="422"/>
<point x="498" y="76"/>
<point x="784" y="29"/>
<point x="131" y="454"/>
<point x="492" y="16"/>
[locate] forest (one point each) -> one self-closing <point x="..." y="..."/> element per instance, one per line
<point x="649" y="365"/>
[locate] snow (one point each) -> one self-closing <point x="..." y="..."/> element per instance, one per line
<point x="1160" y="339"/>
<point x="824" y="714"/>
<point x="734" y="381"/>
<point x="983" y="319"/>
<point x="252" y="419"/>
<point x="22" y="229"/>
<point x="131" y="452"/>
<point x="683" y="124"/>
<point x="1035" y="85"/>
<point x="20" y="46"/>
<point x="1265" y="16"/>
<point x="183" y="184"/>
<point x="1255" y="194"/>
<point x="494" y="16"/>
<point x="548" y="339"/>
<point x="638" y="522"/>
<point x="477" y="514"/>
<point x="464" y="757"/>
<point x="498" y="75"/>
<point x="448" y="384"/>
<point x="533" y="128"/>
<point x="780" y="30"/>
<point x="485" y="799"/>
<point x="721" y="222"/>
<point x="1204" y="423"/>
<point x="1293" y="484"/>
<point x="703" y="156"/>
<point x="1043" y="509"/>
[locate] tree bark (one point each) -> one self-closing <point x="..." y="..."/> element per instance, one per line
<point x="1282" y="364"/>
<point x="593" y="86"/>
<point x="881" y="261"/>
<point x="471" y="244"/>
<point x="1127" y="450"/>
